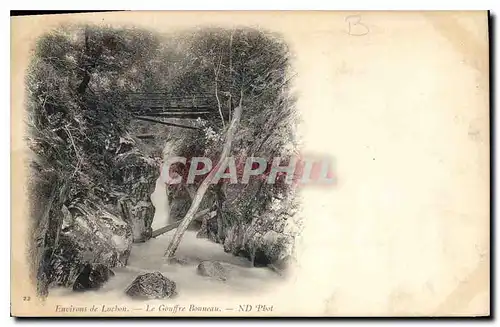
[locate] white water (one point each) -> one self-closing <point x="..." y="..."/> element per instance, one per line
<point x="159" y="197"/>
<point x="160" y="202"/>
<point x="148" y="257"/>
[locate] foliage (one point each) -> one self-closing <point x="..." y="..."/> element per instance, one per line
<point x="230" y="64"/>
<point x="77" y="84"/>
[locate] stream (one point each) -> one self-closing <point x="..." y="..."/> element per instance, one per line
<point x="148" y="257"/>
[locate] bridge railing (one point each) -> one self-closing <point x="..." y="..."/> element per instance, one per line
<point x="156" y="107"/>
<point x="167" y="101"/>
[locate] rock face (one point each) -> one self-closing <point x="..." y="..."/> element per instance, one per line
<point x="179" y="206"/>
<point x="100" y="226"/>
<point x="261" y="246"/>
<point x="212" y="269"/>
<point x="152" y="286"/>
<point x="208" y="229"/>
<point x="138" y="214"/>
<point x="180" y="200"/>
<point x="92" y="277"/>
<point x="137" y="174"/>
<point x="266" y="239"/>
<point x="90" y="234"/>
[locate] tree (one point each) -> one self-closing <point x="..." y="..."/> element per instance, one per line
<point x="198" y="197"/>
<point x="224" y="62"/>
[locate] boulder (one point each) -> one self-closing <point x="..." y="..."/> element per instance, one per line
<point x="137" y="173"/>
<point x="138" y="214"/>
<point x="269" y="237"/>
<point x="152" y="286"/>
<point x="282" y="266"/>
<point x="92" y="277"/>
<point x="90" y="234"/>
<point x="268" y="247"/>
<point x="212" y="269"/>
<point x="261" y="246"/>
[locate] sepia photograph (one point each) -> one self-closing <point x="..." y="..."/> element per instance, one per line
<point x="107" y="108"/>
<point x="182" y="164"/>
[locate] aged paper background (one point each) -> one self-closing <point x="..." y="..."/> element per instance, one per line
<point x="404" y="112"/>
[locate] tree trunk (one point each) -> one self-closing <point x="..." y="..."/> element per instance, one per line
<point x="41" y="247"/>
<point x="216" y="71"/>
<point x="90" y="63"/>
<point x="172" y="247"/>
<point x="84" y="83"/>
<point x="47" y="234"/>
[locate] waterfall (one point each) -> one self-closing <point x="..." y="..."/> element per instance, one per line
<point x="159" y="197"/>
<point x="160" y="202"/>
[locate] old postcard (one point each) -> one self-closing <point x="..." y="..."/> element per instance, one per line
<point x="250" y="164"/>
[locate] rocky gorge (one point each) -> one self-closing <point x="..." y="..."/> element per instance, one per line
<point x="107" y="106"/>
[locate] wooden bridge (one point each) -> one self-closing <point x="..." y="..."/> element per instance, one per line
<point x="159" y="107"/>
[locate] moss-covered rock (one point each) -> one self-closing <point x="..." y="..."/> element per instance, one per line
<point x="90" y="234"/>
<point x="136" y="176"/>
<point x="152" y="286"/>
<point x="92" y="277"/>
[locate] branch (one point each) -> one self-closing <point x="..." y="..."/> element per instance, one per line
<point x="216" y="71"/>
<point x="89" y="66"/>
<point x="231" y="71"/>
<point x="172" y="247"/>
<point x="165" y="123"/>
<point x="76" y="151"/>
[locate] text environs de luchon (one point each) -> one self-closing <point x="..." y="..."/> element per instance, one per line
<point x="91" y="308"/>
